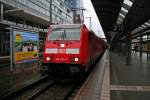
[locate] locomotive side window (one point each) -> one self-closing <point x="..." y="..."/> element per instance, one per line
<point x="65" y="34"/>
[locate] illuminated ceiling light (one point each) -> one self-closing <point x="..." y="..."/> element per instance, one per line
<point x="123" y="9"/>
<point x="143" y="26"/>
<point x="128" y="2"/>
<point x="137" y="29"/>
<point x="122" y="15"/>
<point x="148" y="24"/>
<point x="145" y="36"/>
<point x="147" y="31"/>
<point x="140" y="27"/>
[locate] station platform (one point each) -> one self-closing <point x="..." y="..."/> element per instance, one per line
<point x="129" y="82"/>
<point x="113" y="79"/>
<point x="94" y="88"/>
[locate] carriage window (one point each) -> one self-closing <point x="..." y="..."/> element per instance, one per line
<point x="65" y="34"/>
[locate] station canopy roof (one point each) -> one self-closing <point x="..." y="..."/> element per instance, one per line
<point x="19" y="16"/>
<point x="133" y="15"/>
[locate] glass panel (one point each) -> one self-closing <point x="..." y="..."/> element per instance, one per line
<point x="5" y="75"/>
<point x="65" y="34"/>
<point x="4" y="44"/>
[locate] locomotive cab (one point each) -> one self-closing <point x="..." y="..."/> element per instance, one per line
<point x="63" y="46"/>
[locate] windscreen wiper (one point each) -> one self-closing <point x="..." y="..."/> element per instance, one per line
<point x="63" y="35"/>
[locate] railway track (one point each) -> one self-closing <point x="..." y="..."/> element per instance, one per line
<point x="58" y="92"/>
<point x="31" y="90"/>
<point x="61" y="91"/>
<point x="46" y="90"/>
<point x="49" y="91"/>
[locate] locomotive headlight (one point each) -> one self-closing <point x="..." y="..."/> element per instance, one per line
<point x="76" y="59"/>
<point x="48" y="58"/>
<point x="62" y="45"/>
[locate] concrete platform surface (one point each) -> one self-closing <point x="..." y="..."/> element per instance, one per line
<point x="130" y="82"/>
<point x="91" y="88"/>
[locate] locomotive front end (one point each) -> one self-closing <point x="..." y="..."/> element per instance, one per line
<point x="63" y="46"/>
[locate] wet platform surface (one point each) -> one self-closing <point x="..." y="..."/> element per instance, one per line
<point x="91" y="89"/>
<point x="126" y="95"/>
<point x="129" y="82"/>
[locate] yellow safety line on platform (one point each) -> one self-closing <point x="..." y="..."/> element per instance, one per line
<point x="105" y="92"/>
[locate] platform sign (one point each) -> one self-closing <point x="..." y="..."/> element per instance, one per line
<point x="25" y="46"/>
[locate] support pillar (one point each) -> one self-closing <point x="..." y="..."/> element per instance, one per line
<point x="2" y="10"/>
<point x="148" y="47"/>
<point x="82" y="16"/>
<point x="141" y="38"/>
<point x="50" y="3"/>
<point x="11" y="49"/>
<point x="129" y="50"/>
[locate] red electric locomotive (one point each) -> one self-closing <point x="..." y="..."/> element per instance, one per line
<point x="71" y="48"/>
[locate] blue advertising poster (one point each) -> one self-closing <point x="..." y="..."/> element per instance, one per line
<point x="25" y="46"/>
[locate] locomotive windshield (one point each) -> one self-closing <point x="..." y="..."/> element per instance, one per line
<point x="65" y="34"/>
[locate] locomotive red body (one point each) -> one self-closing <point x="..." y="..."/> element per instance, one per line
<point x="72" y="45"/>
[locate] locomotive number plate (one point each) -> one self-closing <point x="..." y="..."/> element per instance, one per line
<point x="61" y="50"/>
